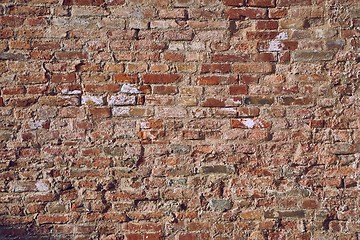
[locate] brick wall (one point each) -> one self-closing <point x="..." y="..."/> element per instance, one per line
<point x="182" y="119"/>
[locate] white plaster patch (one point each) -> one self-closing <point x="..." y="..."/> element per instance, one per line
<point x="175" y="46"/>
<point x="232" y="102"/>
<point x="120" y="111"/>
<point x="229" y="110"/>
<point x="92" y="100"/>
<point x="70" y="92"/>
<point x="282" y="36"/>
<point x="149" y="135"/>
<point x="144" y="125"/>
<point x="121" y="100"/>
<point x="33" y="124"/>
<point x="249" y="123"/>
<point x="129" y="88"/>
<point x="197" y="46"/>
<point x="41" y="186"/>
<point x="275" y="46"/>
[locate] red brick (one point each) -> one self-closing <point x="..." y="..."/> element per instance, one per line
<point x="174" y="56"/>
<point x="235" y="3"/>
<point x="215" y="68"/>
<point x="188" y="236"/>
<point x="22" y="102"/>
<point x="287" y="3"/>
<point x="31" y="79"/>
<point x="6" y="33"/>
<point x="45" y="45"/>
<point x="265" y="57"/>
<point x="44" y="219"/>
<point x="100" y="112"/>
<point x="16" y="90"/>
<point x="165" y="90"/>
<point x="212" y="102"/>
<point x="267" y="25"/>
<point x="277" y="13"/>
<point x="153" y="236"/>
<point x="86" y="2"/>
<point x="11" y="21"/>
<point x="310" y="204"/>
<point x="144" y="227"/>
<point x="230" y="58"/>
<point x="28" y="10"/>
<point x="116" y="2"/>
<point x="134" y="236"/>
<point x="214" y="80"/>
<point x="238" y="89"/>
<point x="63" y="78"/>
<point x="242" y="13"/>
<point x="261" y="3"/>
<point x="268" y="35"/>
<point x="318" y="123"/>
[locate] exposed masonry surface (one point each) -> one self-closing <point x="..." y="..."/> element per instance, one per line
<point x="179" y="119"/>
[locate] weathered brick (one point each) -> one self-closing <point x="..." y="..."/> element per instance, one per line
<point x="259" y="100"/>
<point x="121" y="100"/>
<point x="311" y="56"/>
<point x="193" y="135"/>
<point x="217" y="169"/>
<point x="109" y="88"/>
<point x="182" y="35"/>
<point x="248" y="111"/>
<point x="220" y="205"/>
<point x="161" y="78"/>
<point x="59" y="101"/>
<point x="172" y="14"/>
<point x="287" y="3"/>
<point x="251" y="215"/>
<point x="12" y="56"/>
<point x="285" y="214"/>
<point x="179" y="119"/>
<point x="230" y="58"/>
<point x="250" y="123"/>
<point x="296" y="101"/>
<point x="253" y="67"/>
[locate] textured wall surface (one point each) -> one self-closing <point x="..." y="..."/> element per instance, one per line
<point x="181" y="119"/>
